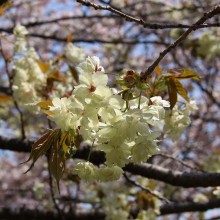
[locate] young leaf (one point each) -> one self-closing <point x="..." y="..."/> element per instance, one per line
<point x="47" y="112"/>
<point x="180" y="90"/>
<point x="57" y="162"/>
<point x="5" y="98"/>
<point x="43" y="66"/>
<point x="74" y="73"/>
<point x="158" y="70"/>
<point x="41" y="146"/>
<point x="45" y="104"/>
<point x="69" y="38"/>
<point x="55" y="75"/>
<point x="4" y="5"/>
<point x="172" y="92"/>
<point x="184" y="73"/>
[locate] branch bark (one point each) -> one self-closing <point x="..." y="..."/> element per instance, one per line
<point x="171" y="208"/>
<point x="205" y="17"/>
<point x="175" y="178"/>
<point x="141" y="21"/>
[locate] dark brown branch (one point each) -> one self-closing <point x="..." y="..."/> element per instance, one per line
<point x="189" y="207"/>
<point x="179" y="161"/>
<point x="171" y="208"/>
<point x="21" y="214"/>
<point x="5" y="90"/>
<point x="205" y="17"/>
<point x="148" y="25"/>
<point x="145" y="189"/>
<point x="55" y="20"/>
<point x="141" y="21"/>
<point x="10" y="81"/>
<point x="90" y="41"/>
<point x="175" y="178"/>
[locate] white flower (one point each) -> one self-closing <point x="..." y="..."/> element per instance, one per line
<point x="109" y="173"/>
<point x="119" y="214"/>
<point x="116" y="153"/>
<point x="90" y="66"/>
<point x="74" y="54"/>
<point x="176" y="123"/>
<point x="111" y="107"/>
<point x="20" y="31"/>
<point x="20" y="45"/>
<point x="143" y="149"/>
<point x="157" y="100"/>
<point x="199" y="197"/>
<point x="86" y="171"/>
<point x="209" y="45"/>
<point x="28" y="80"/>
<point x="216" y="191"/>
<point x="146" y="215"/>
<point x="191" y="106"/>
<point x="66" y="113"/>
<point x="20" y="42"/>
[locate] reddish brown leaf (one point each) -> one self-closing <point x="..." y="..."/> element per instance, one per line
<point x="5" y="98"/>
<point x="69" y="38"/>
<point x="172" y="92"/>
<point x="42" y="145"/>
<point x="57" y="162"/>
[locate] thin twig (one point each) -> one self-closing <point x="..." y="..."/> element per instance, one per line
<point x="10" y="80"/>
<point x="56" y="206"/>
<point x="179" y="161"/>
<point x="146" y="189"/>
<point x="90" y="41"/>
<point x="205" y="17"/>
<point x="141" y="21"/>
<point x="194" y="27"/>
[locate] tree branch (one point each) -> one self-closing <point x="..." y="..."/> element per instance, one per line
<point x="141" y="21"/>
<point x="171" y="208"/>
<point x="189" y="207"/>
<point x="90" y="41"/>
<point x="175" y="178"/>
<point x="205" y="17"/>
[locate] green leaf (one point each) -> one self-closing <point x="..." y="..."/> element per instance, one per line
<point x="119" y="82"/>
<point x="127" y="95"/>
<point x="172" y="92"/>
<point x="161" y="83"/>
<point x="180" y="90"/>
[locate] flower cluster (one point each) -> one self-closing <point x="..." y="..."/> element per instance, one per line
<point x="103" y="118"/>
<point x="123" y="123"/>
<point x="20" y="33"/>
<point x="209" y="44"/>
<point x="178" y="120"/>
<point x="27" y="80"/>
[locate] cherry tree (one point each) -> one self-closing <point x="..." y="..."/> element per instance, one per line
<point x="109" y="109"/>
